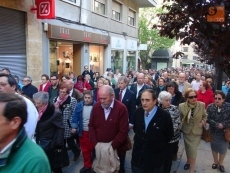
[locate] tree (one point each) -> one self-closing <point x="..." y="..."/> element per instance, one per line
<point x="187" y="20"/>
<point x="149" y="36"/>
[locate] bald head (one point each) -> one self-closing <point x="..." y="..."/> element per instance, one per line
<point x="140" y="78"/>
<point x="181" y="78"/>
<point x="70" y="83"/>
<point x="106" y="96"/>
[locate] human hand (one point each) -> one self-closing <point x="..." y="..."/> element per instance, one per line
<point x="73" y="130"/>
<point x="200" y="124"/>
<point x="220" y="126"/>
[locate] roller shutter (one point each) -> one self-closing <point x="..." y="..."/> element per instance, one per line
<point x="13" y="41"/>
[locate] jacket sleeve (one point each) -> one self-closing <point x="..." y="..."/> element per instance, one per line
<point x="73" y="104"/>
<point x="169" y="127"/>
<point x="75" y="119"/>
<point x="176" y="119"/>
<point x="59" y="129"/>
<point x="209" y="119"/>
<point x="123" y="129"/>
<point x="92" y="131"/>
<point x="132" y="109"/>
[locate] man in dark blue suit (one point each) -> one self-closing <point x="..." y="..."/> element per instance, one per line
<point x="138" y="88"/>
<point x="127" y="97"/>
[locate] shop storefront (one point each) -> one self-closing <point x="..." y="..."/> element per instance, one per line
<point x="117" y="53"/>
<point x="131" y="55"/>
<point x="71" y="49"/>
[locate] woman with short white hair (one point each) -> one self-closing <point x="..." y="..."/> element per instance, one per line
<point x="164" y="100"/>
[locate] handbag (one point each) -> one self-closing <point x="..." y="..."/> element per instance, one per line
<point x="227" y="134"/>
<point x="206" y="135"/>
<point x="128" y="144"/>
<point x="60" y="157"/>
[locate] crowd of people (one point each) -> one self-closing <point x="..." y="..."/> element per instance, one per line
<point x="93" y="113"/>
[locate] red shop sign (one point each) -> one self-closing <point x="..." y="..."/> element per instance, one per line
<point x="45" y="9"/>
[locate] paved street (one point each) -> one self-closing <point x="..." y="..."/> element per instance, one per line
<point x="203" y="164"/>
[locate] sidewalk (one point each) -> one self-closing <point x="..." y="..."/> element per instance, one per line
<point x="203" y="164"/>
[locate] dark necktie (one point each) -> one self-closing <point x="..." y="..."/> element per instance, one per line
<point x="147" y="114"/>
<point x="120" y="96"/>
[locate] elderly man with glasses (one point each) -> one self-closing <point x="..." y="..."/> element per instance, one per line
<point x="28" y="89"/>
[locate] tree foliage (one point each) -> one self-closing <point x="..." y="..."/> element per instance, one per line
<point x="187" y="21"/>
<point x="147" y="35"/>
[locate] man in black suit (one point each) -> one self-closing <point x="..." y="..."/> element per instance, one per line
<point x="127" y="97"/>
<point x="153" y="130"/>
<point x="139" y="87"/>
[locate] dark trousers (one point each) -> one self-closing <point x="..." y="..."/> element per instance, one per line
<point x="138" y="169"/>
<point x="171" y="149"/>
<point x="122" y="162"/>
<point x="72" y="145"/>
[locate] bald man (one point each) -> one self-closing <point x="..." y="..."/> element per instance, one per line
<point x="139" y="87"/>
<point x="109" y="123"/>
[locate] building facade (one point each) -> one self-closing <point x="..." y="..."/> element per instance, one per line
<point x="97" y="33"/>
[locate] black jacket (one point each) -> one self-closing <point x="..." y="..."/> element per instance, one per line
<point x="129" y="101"/>
<point x="133" y="88"/>
<point x="50" y="128"/>
<point x="178" y="99"/>
<point x="29" y="90"/>
<point x="149" y="149"/>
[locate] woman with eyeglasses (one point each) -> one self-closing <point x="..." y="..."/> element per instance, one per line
<point x="67" y="105"/>
<point x="193" y="117"/>
<point x="205" y="94"/>
<point x="218" y="120"/>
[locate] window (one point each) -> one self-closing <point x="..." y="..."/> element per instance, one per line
<point x="194" y="57"/>
<point x="116" y="11"/>
<point x="185" y="57"/>
<point x="185" y="49"/>
<point x="99" y="6"/>
<point x="73" y="1"/>
<point x="131" y="18"/>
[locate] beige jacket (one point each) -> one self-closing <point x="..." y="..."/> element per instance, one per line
<point x="107" y="160"/>
<point x="186" y="86"/>
<point x="193" y="125"/>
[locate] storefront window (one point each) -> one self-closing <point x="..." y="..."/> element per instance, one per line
<point x="131" y="60"/>
<point x="116" y="60"/>
<point x="96" y="58"/>
<point x="61" y="58"/>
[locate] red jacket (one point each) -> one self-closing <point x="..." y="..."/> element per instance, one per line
<point x="81" y="85"/>
<point x="45" y="88"/>
<point x="114" y="129"/>
<point x="207" y="97"/>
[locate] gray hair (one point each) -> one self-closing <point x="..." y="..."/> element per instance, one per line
<point x="88" y="76"/>
<point x="29" y="78"/>
<point x="123" y="78"/>
<point x="41" y="96"/>
<point x="164" y="95"/>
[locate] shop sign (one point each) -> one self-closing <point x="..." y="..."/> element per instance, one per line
<point x="132" y="45"/>
<point x="45" y="9"/>
<point x="117" y="43"/>
<point x="216" y="14"/>
<point x="59" y="32"/>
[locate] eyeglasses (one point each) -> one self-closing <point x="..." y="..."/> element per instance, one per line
<point x="192" y="97"/>
<point x="216" y="98"/>
<point x="53" y="79"/>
